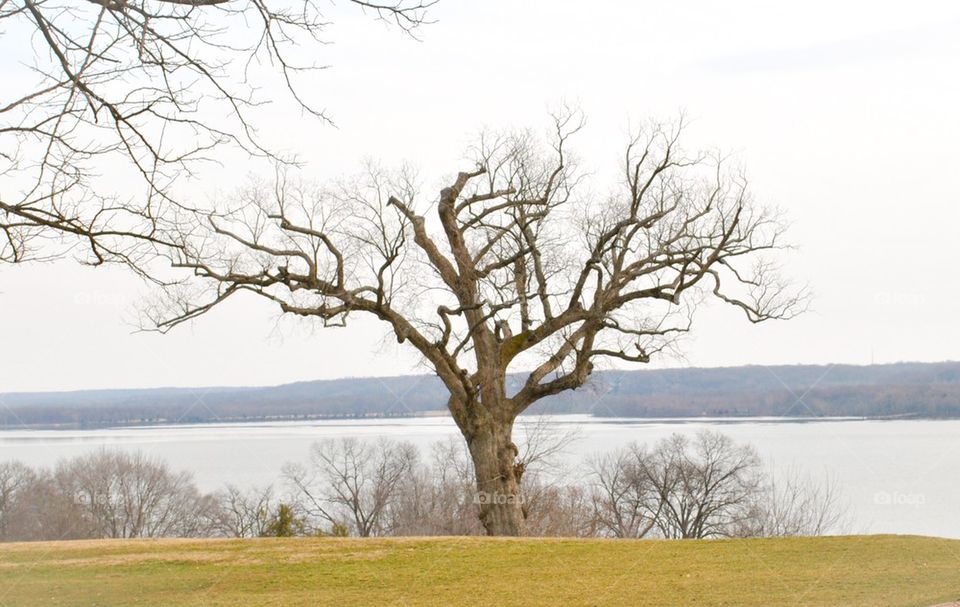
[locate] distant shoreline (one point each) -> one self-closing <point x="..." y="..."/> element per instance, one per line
<point x="895" y="391"/>
<point x="134" y="424"/>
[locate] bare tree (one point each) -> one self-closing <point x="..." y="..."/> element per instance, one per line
<point x="124" y="495"/>
<point x="35" y="509"/>
<point x="519" y="268"/>
<point x="141" y="93"/>
<point x="705" y="486"/>
<point x="15" y="480"/>
<point x="625" y="501"/>
<point x="354" y="483"/>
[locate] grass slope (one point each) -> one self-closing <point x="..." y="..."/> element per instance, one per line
<point x="856" y="570"/>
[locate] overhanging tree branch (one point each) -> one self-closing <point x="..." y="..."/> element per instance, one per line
<point x="144" y="93"/>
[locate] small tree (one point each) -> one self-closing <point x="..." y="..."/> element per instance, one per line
<point x="284" y="523"/>
<point x="519" y="268"/>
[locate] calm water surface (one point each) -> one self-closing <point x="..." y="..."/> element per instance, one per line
<point x="897" y="476"/>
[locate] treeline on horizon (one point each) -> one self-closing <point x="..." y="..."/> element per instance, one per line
<point x="929" y="390"/>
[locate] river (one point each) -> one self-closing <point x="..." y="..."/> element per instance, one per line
<point x="897" y="476"/>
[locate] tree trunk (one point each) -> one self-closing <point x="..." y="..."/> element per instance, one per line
<point x="498" y="477"/>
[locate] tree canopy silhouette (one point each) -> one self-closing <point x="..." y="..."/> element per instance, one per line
<point x="515" y="265"/>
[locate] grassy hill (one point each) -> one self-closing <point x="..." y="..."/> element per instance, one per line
<point x="851" y="571"/>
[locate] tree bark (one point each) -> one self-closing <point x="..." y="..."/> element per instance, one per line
<point x="498" y="476"/>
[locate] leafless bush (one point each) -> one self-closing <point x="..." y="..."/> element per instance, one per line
<point x="437" y="499"/>
<point x="542" y="445"/>
<point x="561" y="510"/>
<point x="551" y="505"/>
<point x="106" y="494"/>
<point x="795" y="504"/>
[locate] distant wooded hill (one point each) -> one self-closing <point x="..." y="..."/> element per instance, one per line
<point x="904" y="389"/>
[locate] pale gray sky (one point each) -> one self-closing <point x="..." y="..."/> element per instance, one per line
<point x="843" y="114"/>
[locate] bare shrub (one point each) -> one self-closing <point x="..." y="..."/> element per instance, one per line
<point x="437" y="498"/>
<point x="561" y="510"/>
<point x="796" y="504"/>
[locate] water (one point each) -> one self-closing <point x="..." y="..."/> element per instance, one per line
<point x="897" y="476"/>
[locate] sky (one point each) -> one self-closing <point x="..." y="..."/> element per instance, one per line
<point x="842" y="114"/>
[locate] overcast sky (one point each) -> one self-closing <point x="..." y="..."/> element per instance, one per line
<point x="843" y="114"/>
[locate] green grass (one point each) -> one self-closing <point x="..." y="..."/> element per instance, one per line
<point x="849" y="571"/>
